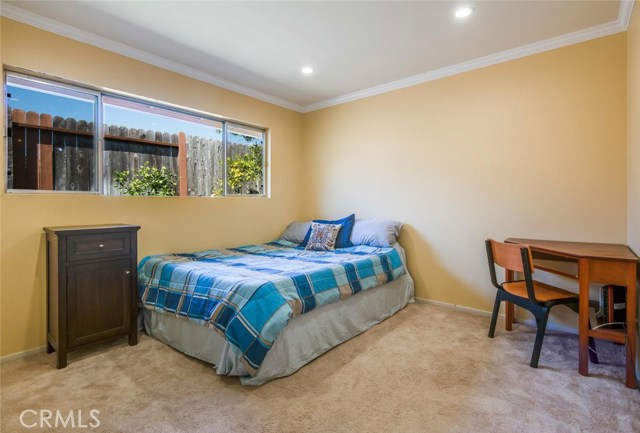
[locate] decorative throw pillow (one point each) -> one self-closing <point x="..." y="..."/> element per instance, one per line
<point x="344" y="234"/>
<point x="323" y="237"/>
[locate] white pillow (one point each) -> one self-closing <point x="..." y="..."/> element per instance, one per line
<point x="375" y="232"/>
<point x="295" y="232"/>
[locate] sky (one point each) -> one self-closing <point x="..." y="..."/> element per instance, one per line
<point x="83" y="108"/>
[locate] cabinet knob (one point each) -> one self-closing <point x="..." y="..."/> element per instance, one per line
<point x="127" y="272"/>
<point x="101" y="246"/>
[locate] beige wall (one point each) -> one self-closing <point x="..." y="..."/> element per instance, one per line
<point x="633" y="152"/>
<point x="168" y="224"/>
<point x="534" y="147"/>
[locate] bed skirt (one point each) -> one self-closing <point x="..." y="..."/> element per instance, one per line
<point x="303" y="339"/>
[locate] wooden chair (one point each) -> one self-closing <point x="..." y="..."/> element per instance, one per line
<point x="534" y="296"/>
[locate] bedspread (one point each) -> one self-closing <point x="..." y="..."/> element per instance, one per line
<point x="248" y="294"/>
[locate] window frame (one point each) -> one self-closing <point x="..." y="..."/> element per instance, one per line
<point x="99" y="131"/>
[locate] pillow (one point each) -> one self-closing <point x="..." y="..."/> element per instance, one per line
<point x="323" y="237"/>
<point x="296" y="232"/>
<point x="375" y="232"/>
<point x="343" y="236"/>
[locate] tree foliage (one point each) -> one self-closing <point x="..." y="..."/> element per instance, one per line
<point x="147" y="181"/>
<point x="245" y="173"/>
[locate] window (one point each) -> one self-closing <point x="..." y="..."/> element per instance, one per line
<point x="136" y="134"/>
<point x="52" y="144"/>
<point x="144" y="148"/>
<point x="245" y="160"/>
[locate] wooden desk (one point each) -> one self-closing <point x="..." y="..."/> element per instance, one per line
<point x="601" y="263"/>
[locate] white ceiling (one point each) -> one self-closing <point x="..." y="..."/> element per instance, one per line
<point x="357" y="48"/>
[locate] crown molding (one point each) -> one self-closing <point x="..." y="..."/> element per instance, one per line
<point x="606" y="29"/>
<point x="624" y="16"/>
<point x="53" y="26"/>
<point x="74" y="33"/>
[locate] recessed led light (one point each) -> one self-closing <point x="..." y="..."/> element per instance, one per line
<point x="307" y="70"/>
<point x="463" y="12"/>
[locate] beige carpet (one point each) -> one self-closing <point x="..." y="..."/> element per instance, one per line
<point x="427" y="369"/>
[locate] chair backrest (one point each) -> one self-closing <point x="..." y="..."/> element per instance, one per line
<point x="514" y="257"/>
<point x="509" y="256"/>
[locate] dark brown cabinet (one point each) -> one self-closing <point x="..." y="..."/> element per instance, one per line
<point x="91" y="286"/>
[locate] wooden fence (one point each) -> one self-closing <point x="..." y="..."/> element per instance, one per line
<point x="52" y="153"/>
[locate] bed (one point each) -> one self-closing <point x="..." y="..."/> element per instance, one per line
<point x="263" y="311"/>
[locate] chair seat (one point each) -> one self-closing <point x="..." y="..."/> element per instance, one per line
<point x="544" y="292"/>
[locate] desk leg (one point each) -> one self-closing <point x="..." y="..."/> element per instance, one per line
<point x="631" y="324"/>
<point x="509" y="308"/>
<point x="583" y="317"/>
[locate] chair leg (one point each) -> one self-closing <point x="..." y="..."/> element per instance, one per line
<point x="542" y="326"/>
<point x="494" y="316"/>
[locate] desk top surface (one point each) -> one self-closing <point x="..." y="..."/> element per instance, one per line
<point x="580" y="249"/>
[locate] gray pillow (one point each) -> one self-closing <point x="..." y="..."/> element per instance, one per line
<point x="375" y="232"/>
<point x="295" y="232"/>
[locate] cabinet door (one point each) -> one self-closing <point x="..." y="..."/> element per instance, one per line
<point x="98" y="301"/>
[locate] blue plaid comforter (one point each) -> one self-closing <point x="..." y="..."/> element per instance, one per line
<point x="248" y="294"/>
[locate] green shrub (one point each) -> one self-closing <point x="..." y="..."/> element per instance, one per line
<point x="147" y="180"/>
<point x="244" y="173"/>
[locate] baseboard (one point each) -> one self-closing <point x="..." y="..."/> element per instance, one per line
<point x="551" y="326"/>
<point x="455" y="306"/>
<point x="20" y="355"/>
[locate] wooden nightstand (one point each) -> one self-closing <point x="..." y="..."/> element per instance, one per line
<point x="91" y="286"/>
